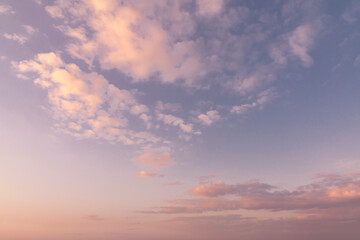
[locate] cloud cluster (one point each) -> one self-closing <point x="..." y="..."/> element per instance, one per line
<point x="86" y="104"/>
<point x="331" y="191"/>
<point x="197" y="44"/>
<point x="179" y="41"/>
<point x="128" y="37"/>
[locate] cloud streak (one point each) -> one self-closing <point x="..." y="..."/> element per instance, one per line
<point x="331" y="191"/>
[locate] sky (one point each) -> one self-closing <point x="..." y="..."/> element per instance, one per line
<point x="181" y="119"/>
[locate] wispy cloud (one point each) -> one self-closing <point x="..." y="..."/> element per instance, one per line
<point x="263" y="98"/>
<point x="331" y="191"/>
<point x="145" y="174"/>
<point x="5" y="9"/>
<point x="23" y="37"/>
<point x="156" y="161"/>
<point x="173" y="183"/>
<point x="92" y="217"/>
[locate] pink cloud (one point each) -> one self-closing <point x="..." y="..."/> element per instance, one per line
<point x="173" y="183"/>
<point x="144" y="174"/>
<point x="156" y="161"/>
<point x="219" y="188"/>
<point x="331" y="191"/>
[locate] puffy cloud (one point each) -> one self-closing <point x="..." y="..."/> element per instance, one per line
<point x="85" y="104"/>
<point x="166" y="40"/>
<point x="331" y="191"/>
<point x="175" y="121"/>
<point x="209" y="117"/>
<point x="30" y="30"/>
<point x="297" y="44"/>
<point x="300" y="41"/>
<point x="125" y="37"/>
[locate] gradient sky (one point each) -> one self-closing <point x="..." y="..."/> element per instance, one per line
<point x="173" y="120"/>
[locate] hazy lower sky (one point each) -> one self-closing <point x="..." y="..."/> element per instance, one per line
<point x="179" y="120"/>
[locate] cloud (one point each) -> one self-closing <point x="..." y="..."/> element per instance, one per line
<point x="30" y="30"/>
<point x="175" y="121"/>
<point x="207" y="179"/>
<point x="219" y="188"/>
<point x="297" y="44"/>
<point x="209" y="117"/>
<point x="5" y="9"/>
<point x="21" y="38"/>
<point x="125" y="37"/>
<point x="351" y="13"/>
<point x="16" y="37"/>
<point x="173" y="183"/>
<point x="156" y="161"/>
<point x="171" y="42"/>
<point x="93" y="217"/>
<point x="172" y="107"/>
<point x="331" y="191"/>
<point x="300" y="41"/>
<point x="357" y="60"/>
<point x="86" y="105"/>
<point x="209" y="7"/>
<point x="263" y="98"/>
<point x="144" y="174"/>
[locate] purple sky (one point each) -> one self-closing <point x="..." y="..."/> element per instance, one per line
<point x="181" y="119"/>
